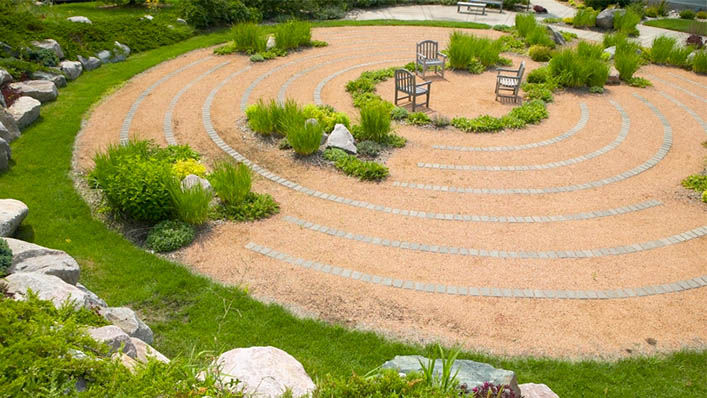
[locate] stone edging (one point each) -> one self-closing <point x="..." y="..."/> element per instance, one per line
<point x="326" y="80"/>
<point x="675" y="86"/>
<point x="687" y="80"/>
<point x="684" y="107"/>
<point x="653" y="290"/>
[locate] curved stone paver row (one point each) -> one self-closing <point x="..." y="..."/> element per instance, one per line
<point x="125" y="128"/>
<point x="167" y="124"/>
<point x="684" y="107"/>
<point x="216" y="139"/>
<point x="464" y="251"/>
<point x="623" y="293"/>
<point x="326" y="80"/>
<point x="625" y="126"/>
<point x="687" y="80"/>
<point x="581" y="124"/>
<point x="677" y="87"/>
<point x="667" y="143"/>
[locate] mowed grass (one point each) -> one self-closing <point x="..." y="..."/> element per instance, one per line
<point x="100" y="10"/>
<point x="680" y="25"/>
<point x="190" y="312"/>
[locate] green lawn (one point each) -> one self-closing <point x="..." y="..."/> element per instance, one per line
<point x="681" y="25"/>
<point x="97" y="10"/>
<point x="188" y="311"/>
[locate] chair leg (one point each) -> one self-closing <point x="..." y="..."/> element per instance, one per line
<point x="414" y="100"/>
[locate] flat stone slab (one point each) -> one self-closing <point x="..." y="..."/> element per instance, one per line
<point x="47" y="287"/>
<point x="12" y="212"/>
<point x="25" y="111"/>
<point x="41" y="90"/>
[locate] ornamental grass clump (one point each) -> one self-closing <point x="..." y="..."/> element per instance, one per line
<point x="585" y="18"/>
<point x="661" y="49"/>
<point x="540" y="36"/>
<point x="305" y="137"/>
<point x="375" y="122"/>
<point x="293" y="34"/>
<point x="625" y="22"/>
<point x="570" y="69"/>
<point x="525" y="23"/>
<point x="627" y="61"/>
<point x="232" y="183"/>
<point x="191" y="204"/>
<point x="464" y="48"/>
<point x="699" y="62"/>
<point x="249" y="38"/>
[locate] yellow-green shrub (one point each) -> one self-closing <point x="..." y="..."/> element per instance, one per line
<point x="185" y="167"/>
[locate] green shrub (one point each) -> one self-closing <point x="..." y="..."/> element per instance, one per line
<point x="169" y="235"/>
<point x="351" y="165"/>
<point x="419" y="119"/>
<point x="572" y="70"/>
<point x="440" y="121"/>
<point x="305" y="138"/>
<point x="249" y="38"/>
<point x="5" y="257"/>
<point x="701" y="15"/>
<point x="661" y="49"/>
<point x="539" y="75"/>
<point x="254" y="207"/>
<point x="485" y="123"/>
<point x="651" y="11"/>
<point x="678" y="56"/>
<point x="687" y="14"/>
<point x="525" y="23"/>
<point x="585" y="18"/>
<point x="625" y="22"/>
<point x="40" y="56"/>
<point x="183" y="168"/>
<point x="699" y="62"/>
<point x="475" y="67"/>
<point x="208" y="13"/>
<point x="538" y="91"/>
<point x="293" y="34"/>
<point x="326" y="115"/>
<point x="503" y="28"/>
<point x="191" y="205"/>
<point x="696" y="182"/>
<point x="232" y="183"/>
<point x="369" y="148"/>
<point x="704" y="194"/>
<point x="375" y="122"/>
<point x="540" y="53"/>
<point x="387" y="384"/>
<point x="463" y="48"/>
<point x="589" y="50"/>
<point x="540" y="36"/>
<point x="627" y="62"/>
<point x="260" y="119"/>
<point x="531" y="112"/>
<point x="273" y="118"/>
<point x="399" y="113"/>
<point x="257" y="58"/>
<point x="639" y="82"/>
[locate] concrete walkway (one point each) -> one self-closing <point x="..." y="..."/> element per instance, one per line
<point x="493" y="17"/>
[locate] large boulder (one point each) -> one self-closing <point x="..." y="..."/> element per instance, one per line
<point x="105" y="56"/>
<point x="8" y="126"/>
<point x="120" y="52"/>
<point x="115" y="338"/>
<point x="47" y="287"/>
<point x="263" y="372"/>
<point x="51" y="45"/>
<point x="5" y="77"/>
<point x="28" y="257"/>
<point x="471" y="373"/>
<point x="341" y="138"/>
<point x="89" y="63"/>
<point x="5" y="155"/>
<point x="556" y="36"/>
<point x="79" y="19"/>
<point x="12" y="212"/>
<point x="145" y="352"/>
<point x="72" y="69"/>
<point x="93" y="296"/>
<point x="605" y="19"/>
<point x="127" y="320"/>
<point x="41" y="90"/>
<point x="193" y="180"/>
<point x="57" y="79"/>
<point x="532" y="390"/>
<point x="25" y="111"/>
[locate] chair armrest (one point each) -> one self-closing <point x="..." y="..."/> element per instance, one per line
<point x="420" y="56"/>
<point x="442" y="55"/>
<point x="507" y="70"/>
<point x="423" y="84"/>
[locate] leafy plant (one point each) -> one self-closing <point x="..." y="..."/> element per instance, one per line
<point x="327" y="116"/>
<point x="169" y="235"/>
<point x="539" y="75"/>
<point x="183" y="168"/>
<point x="481" y="124"/>
<point x="399" y="113"/>
<point x="375" y="122"/>
<point x="531" y="112"/>
<point x="369" y="148"/>
<point x="5" y="257"/>
<point x="232" y="183"/>
<point x="445" y="381"/>
<point x="384" y="383"/>
<point x="191" y="204"/>
<point x="525" y="23"/>
<point x="701" y="15"/>
<point x="651" y="11"/>
<point x="538" y="91"/>
<point x="540" y="53"/>
<point x="488" y="390"/>
<point x="697" y="182"/>
<point x="350" y="165"/>
<point x="305" y="138"/>
<point x="254" y="207"/>
<point x="699" y="62"/>
<point x="208" y="13"/>
<point x="687" y="14"/>
<point x="639" y="82"/>
<point x="419" y="119"/>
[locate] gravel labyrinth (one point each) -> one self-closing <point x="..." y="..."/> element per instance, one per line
<point x="569" y="238"/>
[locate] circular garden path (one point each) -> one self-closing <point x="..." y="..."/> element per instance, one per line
<point x="569" y="238"/>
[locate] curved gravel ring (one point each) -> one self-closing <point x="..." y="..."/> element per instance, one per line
<point x="320" y="86"/>
<point x="662" y="151"/>
<point x="685" y="108"/>
<point x="581" y="124"/>
<point x="465" y="251"/>
<point x="625" y="126"/>
<point x="687" y="80"/>
<point x="167" y="124"/>
<point x="216" y="139"/>
<point x="675" y="86"/>
<point x="125" y="128"/>
<point x="623" y="293"/>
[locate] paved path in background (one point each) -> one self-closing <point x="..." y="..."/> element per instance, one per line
<point x="492" y="17"/>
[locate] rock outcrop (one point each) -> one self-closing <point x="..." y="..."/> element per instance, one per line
<point x="28" y="257"/>
<point x="12" y="212"/>
<point x="25" y="111"/>
<point x="41" y="90"/>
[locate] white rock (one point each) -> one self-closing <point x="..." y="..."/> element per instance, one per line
<point x="120" y="52"/>
<point x="25" y="111"/>
<point x="5" y="156"/>
<point x="51" y="45"/>
<point x="192" y="180"/>
<point x="28" y="257"/>
<point x="341" y="138"/>
<point x="125" y="360"/>
<point x="12" y="212"/>
<point x="104" y="56"/>
<point x="115" y="338"/>
<point x="263" y="372"/>
<point x="79" y="19"/>
<point x="57" y="79"/>
<point x="93" y="296"/>
<point x="89" y="63"/>
<point x="145" y="351"/>
<point x="181" y="21"/>
<point x="72" y="69"/>
<point x="127" y="320"/>
<point x="41" y="90"/>
<point x="270" y="43"/>
<point x="5" y="77"/>
<point x="611" y="51"/>
<point x="47" y="287"/>
<point x="532" y="390"/>
<point x="9" y="130"/>
<point x="148" y="17"/>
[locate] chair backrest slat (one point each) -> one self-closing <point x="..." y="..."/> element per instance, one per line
<point x="428" y="49"/>
<point x="404" y="80"/>
<point x="521" y="70"/>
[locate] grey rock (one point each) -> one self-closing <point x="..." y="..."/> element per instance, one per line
<point x="270" y="43"/>
<point x="341" y="138"/>
<point x="28" y="257"/>
<point x="2" y="102"/>
<point x="8" y="130"/>
<point x="5" y="77"/>
<point x="93" y="296"/>
<point x="145" y="352"/>
<point x="5" y="156"/>
<point x="114" y="338"/>
<point x="120" y="52"/>
<point x="181" y="21"/>
<point x="556" y="36"/>
<point x="471" y="373"/>
<point x="12" y="212"/>
<point x="311" y="122"/>
<point x="89" y="63"/>
<point x="605" y="19"/>
<point x="325" y="137"/>
<point x="41" y="90"/>
<point x="58" y="79"/>
<point x="47" y="287"/>
<point x="127" y="320"/>
<point x="72" y="69"/>
<point x="611" y="51"/>
<point x="148" y="17"/>
<point x="79" y="19"/>
<point x="263" y="372"/>
<point x="613" y="79"/>
<point x="6" y="51"/>
<point x="193" y="180"/>
<point x="25" y="111"/>
<point x="691" y="57"/>
<point x="532" y="390"/>
<point x="51" y="45"/>
<point x="105" y="56"/>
